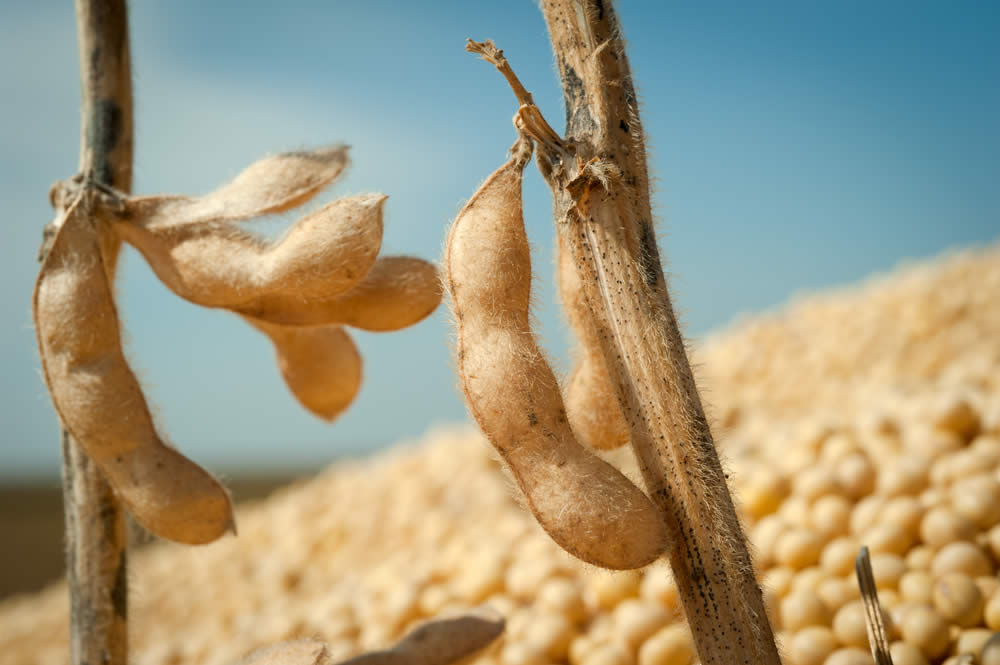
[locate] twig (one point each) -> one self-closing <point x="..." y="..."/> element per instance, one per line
<point x="600" y="187"/>
<point x="877" y="636"/>
<point x="95" y="521"/>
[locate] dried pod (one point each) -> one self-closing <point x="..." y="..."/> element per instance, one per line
<point x="397" y="292"/>
<point x="99" y="400"/>
<point x="439" y="642"/>
<point x="320" y="365"/>
<point x="273" y="184"/>
<point x="297" y="652"/>
<point x="215" y="264"/>
<point x="591" y="403"/>
<point x="586" y="505"/>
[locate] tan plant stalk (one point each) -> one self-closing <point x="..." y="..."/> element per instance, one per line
<point x="878" y="638"/>
<point x="96" y="539"/>
<point x="600" y="187"/>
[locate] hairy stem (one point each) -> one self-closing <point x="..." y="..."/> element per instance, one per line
<point x="601" y="194"/>
<point x="96" y="537"/>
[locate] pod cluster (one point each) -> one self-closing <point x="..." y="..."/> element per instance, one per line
<point x="300" y="290"/>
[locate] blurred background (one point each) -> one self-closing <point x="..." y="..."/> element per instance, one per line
<point x="795" y="146"/>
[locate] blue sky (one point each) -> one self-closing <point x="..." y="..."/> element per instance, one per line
<point x="796" y="145"/>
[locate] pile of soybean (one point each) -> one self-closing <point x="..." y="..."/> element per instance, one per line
<point x="866" y="416"/>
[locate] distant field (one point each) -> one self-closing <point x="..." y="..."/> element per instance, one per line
<point x="31" y="520"/>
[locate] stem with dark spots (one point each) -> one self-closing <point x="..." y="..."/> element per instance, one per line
<point x="600" y="187"/>
<point x="96" y="537"/>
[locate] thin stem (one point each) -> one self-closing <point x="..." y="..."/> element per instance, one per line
<point x="106" y="136"/>
<point x="529" y="113"/>
<point x="96" y="537"/>
<point x="877" y="637"/>
<point x="601" y="194"/>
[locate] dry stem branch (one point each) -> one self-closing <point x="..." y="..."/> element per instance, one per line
<point x="446" y="641"/>
<point x="874" y="622"/>
<point x="600" y="188"/>
<point x="95" y="521"/>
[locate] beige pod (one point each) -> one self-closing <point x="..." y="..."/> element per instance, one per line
<point x="99" y="400"/>
<point x="440" y="642"/>
<point x="586" y="505"/>
<point x="397" y="292"/>
<point x="591" y="401"/>
<point x="321" y="365"/>
<point x="217" y="264"/>
<point x="272" y="184"/>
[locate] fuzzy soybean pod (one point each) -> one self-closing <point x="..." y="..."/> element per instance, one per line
<point x="321" y="365"/>
<point x="586" y="505"/>
<point x="298" y="652"/>
<point x="99" y="400"/>
<point x="397" y="292"/>
<point x="591" y="402"/>
<point x="216" y="264"/>
<point x="273" y="184"/>
<point x="439" y="642"/>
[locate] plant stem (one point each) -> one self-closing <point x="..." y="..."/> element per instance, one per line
<point x="878" y="639"/>
<point x="601" y="194"/>
<point x="106" y="137"/>
<point x="96" y="537"/>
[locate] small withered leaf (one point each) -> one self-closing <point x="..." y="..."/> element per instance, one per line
<point x="321" y="365"/>
<point x="270" y="185"/>
<point x="99" y="400"/>
<point x="441" y="641"/>
<point x="397" y="292"/>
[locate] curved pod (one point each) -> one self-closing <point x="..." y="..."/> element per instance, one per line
<point x="397" y="292"/>
<point x="217" y="264"/>
<point x="591" y="403"/>
<point x="586" y="505"/>
<point x="99" y="400"/>
<point x="321" y="365"/>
